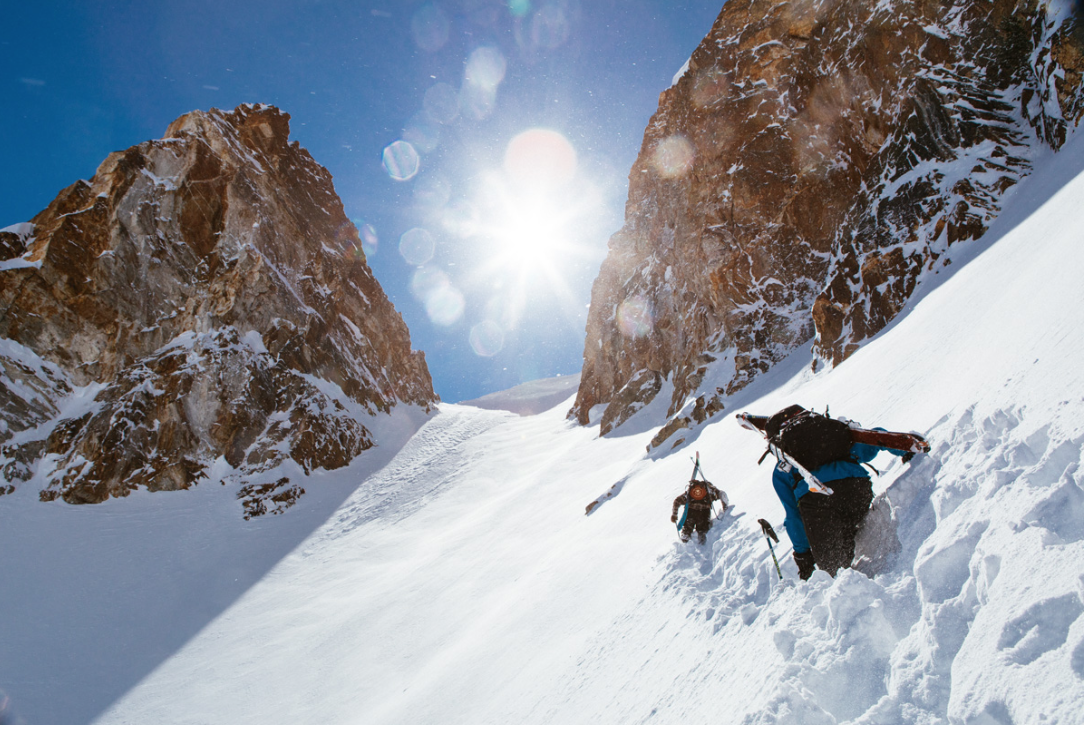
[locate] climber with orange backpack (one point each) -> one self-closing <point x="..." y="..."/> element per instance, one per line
<point x="697" y="499"/>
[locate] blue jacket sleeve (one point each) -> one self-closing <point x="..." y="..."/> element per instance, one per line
<point x="783" y="482"/>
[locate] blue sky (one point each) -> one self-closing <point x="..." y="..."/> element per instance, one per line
<point x="482" y="146"/>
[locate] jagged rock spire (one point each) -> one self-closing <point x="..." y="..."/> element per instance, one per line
<point x="813" y="163"/>
<point x="202" y="296"/>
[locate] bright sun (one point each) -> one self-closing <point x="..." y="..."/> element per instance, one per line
<point x="528" y="231"/>
<point x="535" y="225"/>
<point x="529" y="205"/>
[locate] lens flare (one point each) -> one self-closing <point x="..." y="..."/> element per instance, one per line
<point x="346" y="235"/>
<point x="502" y="310"/>
<point x="422" y="133"/>
<point x="519" y="8"/>
<point x="534" y="229"/>
<point x="401" y="160"/>
<point x="673" y="157"/>
<point x="540" y="158"/>
<point x="445" y="306"/>
<point x="443" y="302"/>
<point x="432" y="192"/>
<point x="549" y="27"/>
<point x="481" y="77"/>
<point x="417" y="246"/>
<point x="478" y="103"/>
<point x="461" y="219"/>
<point x="485" y="68"/>
<point x="430" y="27"/>
<point x="441" y="103"/>
<point x="369" y="239"/>
<point x="710" y="86"/>
<point x="426" y="281"/>
<point x="486" y="338"/>
<point x="635" y="317"/>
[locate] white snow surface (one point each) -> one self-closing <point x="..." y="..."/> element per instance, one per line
<point x="461" y="582"/>
<point x="23" y="230"/>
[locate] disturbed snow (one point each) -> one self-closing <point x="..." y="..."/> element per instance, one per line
<point x="461" y="581"/>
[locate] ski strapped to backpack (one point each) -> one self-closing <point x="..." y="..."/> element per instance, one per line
<point x="696" y="468"/>
<point x="805" y="440"/>
<point x="815" y="485"/>
<point x="692" y="479"/>
<point x="899" y="440"/>
<point x="700" y="490"/>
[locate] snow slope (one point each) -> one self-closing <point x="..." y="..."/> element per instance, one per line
<point x="463" y="581"/>
<point x="91" y="600"/>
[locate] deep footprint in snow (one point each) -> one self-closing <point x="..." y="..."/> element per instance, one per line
<point x="1041" y="628"/>
<point x="1076" y="660"/>
<point x="942" y="574"/>
<point x="1062" y="511"/>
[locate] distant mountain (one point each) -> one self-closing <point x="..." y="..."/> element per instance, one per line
<point x="531" y="398"/>
<point x="203" y="298"/>
<point x="815" y="162"/>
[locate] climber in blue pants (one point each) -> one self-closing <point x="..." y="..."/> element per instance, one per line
<point x="823" y="527"/>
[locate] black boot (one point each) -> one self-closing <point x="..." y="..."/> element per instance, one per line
<point x="805" y="564"/>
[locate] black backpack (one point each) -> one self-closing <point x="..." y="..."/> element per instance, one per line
<point x="809" y="438"/>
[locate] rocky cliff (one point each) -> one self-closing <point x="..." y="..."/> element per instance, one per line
<point x="815" y="161"/>
<point x="203" y="296"/>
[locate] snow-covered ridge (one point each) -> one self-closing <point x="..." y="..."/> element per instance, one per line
<point x="528" y="399"/>
<point x="23" y="230"/>
<point x="680" y="72"/>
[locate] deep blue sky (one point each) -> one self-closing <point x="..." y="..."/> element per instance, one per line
<point x="458" y="79"/>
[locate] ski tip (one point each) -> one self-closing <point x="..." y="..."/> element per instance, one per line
<point x="751" y="422"/>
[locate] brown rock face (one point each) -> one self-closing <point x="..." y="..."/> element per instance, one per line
<point x="813" y="164"/>
<point x="203" y="296"/>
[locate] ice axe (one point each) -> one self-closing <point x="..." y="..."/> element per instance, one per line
<point x="769" y="535"/>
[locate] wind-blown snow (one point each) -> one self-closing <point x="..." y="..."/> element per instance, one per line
<point x="461" y="581"/>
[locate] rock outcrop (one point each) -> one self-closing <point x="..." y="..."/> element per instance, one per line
<point x="203" y="296"/>
<point x="814" y="162"/>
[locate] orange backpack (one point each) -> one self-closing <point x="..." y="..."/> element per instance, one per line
<point x="698" y="492"/>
